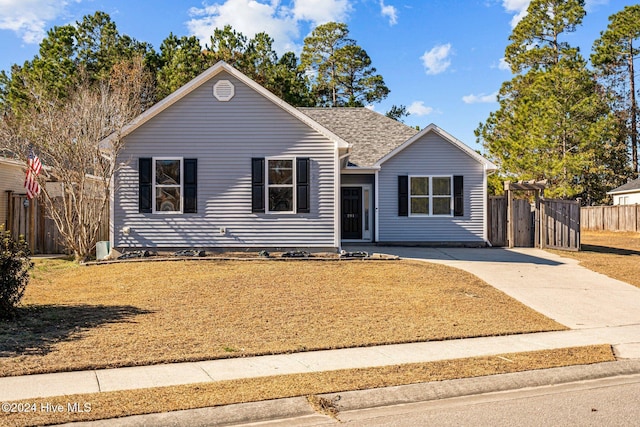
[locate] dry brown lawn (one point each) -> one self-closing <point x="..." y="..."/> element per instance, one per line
<point x="145" y="401"/>
<point x="616" y="254"/>
<point x="157" y="312"/>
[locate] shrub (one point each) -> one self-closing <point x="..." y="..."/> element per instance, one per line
<point x="14" y="272"/>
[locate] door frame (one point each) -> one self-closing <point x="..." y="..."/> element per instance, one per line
<point x="367" y="213"/>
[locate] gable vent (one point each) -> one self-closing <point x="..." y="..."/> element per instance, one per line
<point x="223" y="90"/>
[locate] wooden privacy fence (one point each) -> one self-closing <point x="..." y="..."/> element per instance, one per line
<point x="29" y="219"/>
<point x="545" y="224"/>
<point x="497" y="220"/>
<point x="611" y="218"/>
<point x="560" y="224"/>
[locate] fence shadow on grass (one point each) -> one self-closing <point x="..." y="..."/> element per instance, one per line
<point x="608" y="250"/>
<point x="38" y="328"/>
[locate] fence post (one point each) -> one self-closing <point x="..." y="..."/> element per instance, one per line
<point x="543" y="224"/>
<point x="510" y="230"/>
<point x="9" y="219"/>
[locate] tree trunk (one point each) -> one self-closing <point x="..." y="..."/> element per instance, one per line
<point x="634" y="114"/>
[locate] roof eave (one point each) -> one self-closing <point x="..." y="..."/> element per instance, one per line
<point x="359" y="169"/>
<point x="614" y="192"/>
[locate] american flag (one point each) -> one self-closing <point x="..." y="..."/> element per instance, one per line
<point x="33" y="169"/>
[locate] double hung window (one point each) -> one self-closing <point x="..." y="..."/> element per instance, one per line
<point x="280" y="185"/>
<point x="431" y="195"/>
<point x="168" y="185"/>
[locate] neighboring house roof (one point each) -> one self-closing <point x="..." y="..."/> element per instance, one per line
<point x="370" y="134"/>
<point x="629" y="187"/>
<point x="12" y="162"/>
<point x="208" y="75"/>
<point x="455" y="142"/>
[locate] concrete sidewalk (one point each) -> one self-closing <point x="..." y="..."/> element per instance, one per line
<point x="624" y="339"/>
<point x="599" y="310"/>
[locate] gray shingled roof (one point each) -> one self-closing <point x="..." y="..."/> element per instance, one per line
<point x="629" y="186"/>
<point x="371" y="135"/>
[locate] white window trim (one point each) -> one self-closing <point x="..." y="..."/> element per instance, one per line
<point x="431" y="196"/>
<point x="181" y="186"/>
<point x="292" y="185"/>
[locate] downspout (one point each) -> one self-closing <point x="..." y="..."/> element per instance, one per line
<point x="337" y="210"/>
<point x="485" y="233"/>
<point x="375" y="206"/>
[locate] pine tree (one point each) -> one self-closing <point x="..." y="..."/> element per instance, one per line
<point x="613" y="56"/>
<point x="552" y="122"/>
<point x="339" y="70"/>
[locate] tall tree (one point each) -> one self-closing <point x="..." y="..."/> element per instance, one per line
<point x="55" y="66"/>
<point x="65" y="133"/>
<point x="227" y="45"/>
<point x="535" y="41"/>
<point x="613" y="56"/>
<point x="397" y="112"/>
<point x="257" y="59"/>
<point x="92" y="45"/>
<point x="552" y="122"/>
<point x="339" y="70"/>
<point x="100" y="46"/>
<point x="289" y="83"/>
<point x="179" y="61"/>
<point x="261" y="59"/>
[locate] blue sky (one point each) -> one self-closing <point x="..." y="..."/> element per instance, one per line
<point x="440" y="58"/>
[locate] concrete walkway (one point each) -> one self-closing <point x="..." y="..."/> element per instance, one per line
<point x="599" y="310"/>
<point x="555" y="286"/>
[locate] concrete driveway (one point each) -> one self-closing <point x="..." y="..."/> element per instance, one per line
<point x="553" y="285"/>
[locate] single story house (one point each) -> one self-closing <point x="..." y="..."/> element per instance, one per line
<point x="627" y="194"/>
<point x="224" y="163"/>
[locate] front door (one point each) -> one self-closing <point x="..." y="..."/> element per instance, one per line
<point x="351" y="213"/>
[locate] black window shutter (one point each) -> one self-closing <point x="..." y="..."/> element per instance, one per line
<point x="302" y="186"/>
<point x="403" y="195"/>
<point x="257" y="184"/>
<point x="458" y="195"/>
<point x="145" y="185"/>
<point x="190" y="185"/>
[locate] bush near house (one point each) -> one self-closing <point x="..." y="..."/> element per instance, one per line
<point x="14" y="272"/>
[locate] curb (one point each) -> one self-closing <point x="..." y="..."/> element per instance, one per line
<point x="298" y="407"/>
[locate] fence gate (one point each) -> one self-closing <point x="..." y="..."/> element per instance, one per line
<point x="544" y="223"/>
<point x="497" y="220"/>
<point x="560" y="225"/>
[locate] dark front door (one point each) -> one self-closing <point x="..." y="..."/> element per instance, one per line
<point x="352" y="213"/>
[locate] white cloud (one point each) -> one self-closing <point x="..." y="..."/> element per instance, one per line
<point x="320" y="11"/>
<point x="29" y="19"/>
<point x="502" y="65"/>
<point x="390" y="12"/>
<point x="280" y="21"/>
<point x="437" y="60"/>
<point x="519" y="8"/>
<point x="480" y="99"/>
<point x="417" y="108"/>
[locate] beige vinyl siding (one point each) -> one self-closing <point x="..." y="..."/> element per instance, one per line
<point x="224" y="136"/>
<point x="11" y="179"/>
<point x="433" y="156"/>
